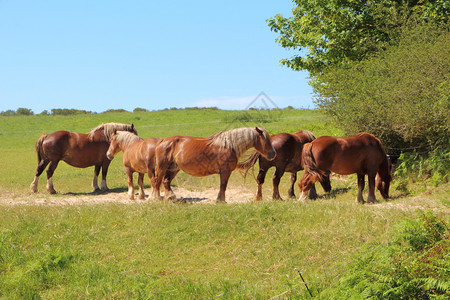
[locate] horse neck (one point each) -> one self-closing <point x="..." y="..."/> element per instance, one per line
<point x="238" y="141"/>
<point x="384" y="170"/>
<point x="99" y="136"/>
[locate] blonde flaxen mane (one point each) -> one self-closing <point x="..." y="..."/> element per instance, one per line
<point x="108" y="129"/>
<point x="126" y="138"/>
<point x="238" y="140"/>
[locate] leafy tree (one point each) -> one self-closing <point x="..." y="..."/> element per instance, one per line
<point x="334" y="32"/>
<point x="401" y="95"/>
<point x="8" y="112"/>
<point x="24" y="111"/>
<point x="139" y="109"/>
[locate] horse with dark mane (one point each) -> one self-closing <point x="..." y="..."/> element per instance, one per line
<point x="79" y="150"/>
<point x="361" y="154"/>
<point x="289" y="159"/>
<point x="217" y="154"/>
<point x="138" y="156"/>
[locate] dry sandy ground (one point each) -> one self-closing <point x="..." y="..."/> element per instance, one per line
<point x="202" y="197"/>
<point x="206" y="196"/>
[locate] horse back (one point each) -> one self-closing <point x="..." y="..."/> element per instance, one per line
<point x="140" y="156"/>
<point x="361" y="153"/>
<point x="76" y="149"/>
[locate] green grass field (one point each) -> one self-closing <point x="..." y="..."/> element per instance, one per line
<point x="160" y="250"/>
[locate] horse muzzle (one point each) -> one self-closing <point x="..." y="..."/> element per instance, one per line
<point x="271" y="155"/>
<point x="109" y="156"/>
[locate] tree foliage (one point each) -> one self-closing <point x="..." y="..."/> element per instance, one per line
<point x="400" y="95"/>
<point x="333" y="32"/>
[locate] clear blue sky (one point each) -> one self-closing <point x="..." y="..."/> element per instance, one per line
<point x="99" y="55"/>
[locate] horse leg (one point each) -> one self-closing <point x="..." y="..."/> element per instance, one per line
<point x="95" y="179"/>
<point x="39" y="169"/>
<point x="51" y="169"/>
<point x="260" y="180"/>
<point x="130" y="183"/>
<point x="105" y="167"/>
<point x="291" y="192"/>
<point x="361" y="183"/>
<point x="224" y="176"/>
<point x="160" y="171"/>
<point x="141" y="185"/>
<point x="276" y="182"/>
<point x="371" y="197"/>
<point x="168" y="193"/>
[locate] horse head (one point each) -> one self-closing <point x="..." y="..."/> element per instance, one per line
<point x="384" y="178"/>
<point x="113" y="146"/>
<point x="264" y="144"/>
<point x="307" y="182"/>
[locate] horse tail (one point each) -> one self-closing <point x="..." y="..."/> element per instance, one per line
<point x="309" y="163"/>
<point x="249" y="162"/>
<point x="38" y="147"/>
<point x="309" y="135"/>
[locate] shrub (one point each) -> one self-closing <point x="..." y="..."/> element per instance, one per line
<point x="24" y="112"/>
<point x="414" y="265"/>
<point x="401" y="95"/>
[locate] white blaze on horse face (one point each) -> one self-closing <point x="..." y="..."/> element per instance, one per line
<point x="303" y="196"/>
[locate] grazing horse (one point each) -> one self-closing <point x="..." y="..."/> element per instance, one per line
<point x="138" y="156"/>
<point x="217" y="154"/>
<point x="361" y="154"/>
<point x="79" y="150"/>
<point x="289" y="159"/>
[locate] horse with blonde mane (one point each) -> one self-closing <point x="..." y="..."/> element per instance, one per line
<point x="289" y="159"/>
<point x="138" y="156"/>
<point x="217" y="154"/>
<point x="79" y="150"/>
<point x="361" y="154"/>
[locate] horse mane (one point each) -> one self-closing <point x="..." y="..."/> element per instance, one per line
<point x="126" y="137"/>
<point x="108" y="129"/>
<point x="238" y="140"/>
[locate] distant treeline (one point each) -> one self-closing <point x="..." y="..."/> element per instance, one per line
<point x="66" y="112"/>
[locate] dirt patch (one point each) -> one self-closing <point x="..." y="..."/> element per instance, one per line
<point x="207" y="196"/>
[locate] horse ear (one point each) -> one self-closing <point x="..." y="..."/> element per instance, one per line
<point x="258" y="130"/>
<point x="132" y="126"/>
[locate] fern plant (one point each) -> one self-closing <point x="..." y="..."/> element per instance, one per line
<point x="414" y="265"/>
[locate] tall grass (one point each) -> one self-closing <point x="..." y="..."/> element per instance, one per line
<point x="164" y="250"/>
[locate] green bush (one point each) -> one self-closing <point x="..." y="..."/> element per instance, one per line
<point x="401" y="95"/>
<point x="415" y="265"/>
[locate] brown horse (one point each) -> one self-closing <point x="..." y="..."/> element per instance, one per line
<point x="217" y="154"/>
<point x="361" y="154"/>
<point x="79" y="150"/>
<point x="289" y="155"/>
<point x="138" y="156"/>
